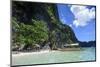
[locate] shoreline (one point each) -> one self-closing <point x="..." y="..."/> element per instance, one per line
<point x="30" y="53"/>
<point x="16" y="54"/>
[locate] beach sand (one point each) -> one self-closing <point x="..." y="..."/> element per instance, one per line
<point x="30" y="53"/>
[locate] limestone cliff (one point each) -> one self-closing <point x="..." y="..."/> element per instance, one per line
<point x="58" y="33"/>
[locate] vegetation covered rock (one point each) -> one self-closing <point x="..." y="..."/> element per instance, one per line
<point x="38" y="23"/>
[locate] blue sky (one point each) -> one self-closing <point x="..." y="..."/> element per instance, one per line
<point x="80" y="18"/>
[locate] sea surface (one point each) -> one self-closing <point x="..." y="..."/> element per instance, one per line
<point x="85" y="54"/>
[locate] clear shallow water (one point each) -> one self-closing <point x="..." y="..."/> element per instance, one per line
<point x="85" y="54"/>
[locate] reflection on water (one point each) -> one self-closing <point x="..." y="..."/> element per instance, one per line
<point x="85" y="54"/>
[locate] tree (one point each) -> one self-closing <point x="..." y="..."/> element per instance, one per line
<point x="33" y="34"/>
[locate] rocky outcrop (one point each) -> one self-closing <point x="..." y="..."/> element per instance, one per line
<point x="58" y="34"/>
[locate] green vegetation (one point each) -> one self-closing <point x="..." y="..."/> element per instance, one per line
<point x="38" y="24"/>
<point x="33" y="34"/>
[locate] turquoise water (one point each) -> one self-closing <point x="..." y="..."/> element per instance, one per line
<point x="85" y="54"/>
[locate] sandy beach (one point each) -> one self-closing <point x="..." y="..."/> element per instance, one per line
<point x="30" y="53"/>
<point x="42" y="51"/>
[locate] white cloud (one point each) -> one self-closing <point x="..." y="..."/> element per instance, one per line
<point x="70" y="25"/>
<point x="63" y="20"/>
<point x="82" y="15"/>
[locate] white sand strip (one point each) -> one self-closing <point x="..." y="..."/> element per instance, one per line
<point x="31" y="53"/>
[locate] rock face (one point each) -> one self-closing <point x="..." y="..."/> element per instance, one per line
<point x="58" y="34"/>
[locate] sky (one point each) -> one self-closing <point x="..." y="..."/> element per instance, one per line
<point x="80" y="18"/>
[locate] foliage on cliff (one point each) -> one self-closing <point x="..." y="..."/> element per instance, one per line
<point x="38" y="23"/>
